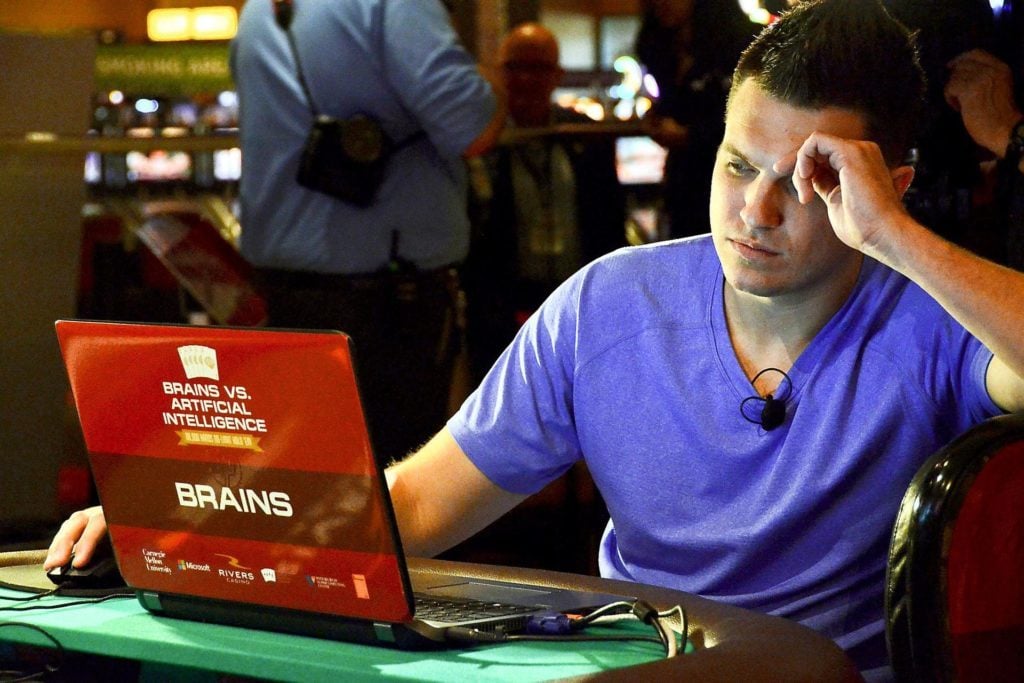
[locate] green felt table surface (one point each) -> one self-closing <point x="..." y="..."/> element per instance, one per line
<point x="730" y="644"/>
<point x="122" y="628"/>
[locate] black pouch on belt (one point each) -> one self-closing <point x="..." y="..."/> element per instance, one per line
<point x="345" y="159"/>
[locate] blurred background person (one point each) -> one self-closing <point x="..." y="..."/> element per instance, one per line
<point x="549" y="200"/>
<point x="690" y="48"/>
<point x="383" y="273"/>
<point x="945" y="157"/>
<point x="981" y="89"/>
<point x="958" y="190"/>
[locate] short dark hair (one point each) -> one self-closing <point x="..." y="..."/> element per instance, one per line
<point x="843" y="53"/>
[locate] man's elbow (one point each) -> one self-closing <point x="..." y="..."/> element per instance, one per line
<point x="488" y="138"/>
<point x="416" y="540"/>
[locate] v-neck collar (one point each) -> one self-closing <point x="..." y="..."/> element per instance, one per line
<point x="805" y="364"/>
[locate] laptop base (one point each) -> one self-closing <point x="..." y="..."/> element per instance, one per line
<point x="414" y="635"/>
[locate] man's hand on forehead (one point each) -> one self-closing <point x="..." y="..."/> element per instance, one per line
<point x="824" y="162"/>
<point x="812" y="168"/>
<point x="861" y="193"/>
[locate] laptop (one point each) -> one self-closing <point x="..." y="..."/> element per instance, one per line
<point x="239" y="485"/>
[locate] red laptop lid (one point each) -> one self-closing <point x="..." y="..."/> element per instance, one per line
<point x="235" y="464"/>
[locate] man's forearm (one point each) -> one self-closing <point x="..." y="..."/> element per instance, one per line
<point x="441" y="498"/>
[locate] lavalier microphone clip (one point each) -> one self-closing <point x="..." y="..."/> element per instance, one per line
<point x="773" y="409"/>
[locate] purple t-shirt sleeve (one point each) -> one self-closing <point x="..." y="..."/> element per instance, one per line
<point x="525" y="403"/>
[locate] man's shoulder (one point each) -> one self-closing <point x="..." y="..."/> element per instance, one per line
<point x="689" y="253"/>
<point x="661" y="271"/>
<point x="889" y="309"/>
<point x="657" y="289"/>
<point x="662" y="280"/>
<point x="883" y="287"/>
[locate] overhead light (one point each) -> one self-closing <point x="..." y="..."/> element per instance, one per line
<point x="200" y="23"/>
<point x="755" y="11"/>
<point x="169" y="24"/>
<point x="214" y="23"/>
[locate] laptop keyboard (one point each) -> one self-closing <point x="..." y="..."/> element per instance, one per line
<point x="448" y="609"/>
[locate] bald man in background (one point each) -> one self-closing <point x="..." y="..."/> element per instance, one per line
<point x="548" y="203"/>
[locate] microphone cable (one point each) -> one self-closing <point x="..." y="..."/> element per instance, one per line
<point x="773" y="409"/>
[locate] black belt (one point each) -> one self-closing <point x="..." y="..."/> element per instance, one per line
<point x="304" y="279"/>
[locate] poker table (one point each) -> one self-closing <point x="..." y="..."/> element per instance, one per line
<point x="724" y="643"/>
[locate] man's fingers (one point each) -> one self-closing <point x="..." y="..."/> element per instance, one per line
<point x="952" y="100"/>
<point x="829" y="191"/>
<point x="815" y="171"/>
<point x="64" y="541"/>
<point x="824" y="183"/>
<point x="80" y="533"/>
<point x="86" y="545"/>
<point x="976" y="57"/>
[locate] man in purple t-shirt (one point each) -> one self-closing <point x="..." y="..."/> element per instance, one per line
<point x="877" y="339"/>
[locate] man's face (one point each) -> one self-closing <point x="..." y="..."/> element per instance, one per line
<point x="769" y="244"/>
<point x="531" y="73"/>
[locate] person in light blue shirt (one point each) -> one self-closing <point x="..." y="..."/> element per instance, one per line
<point x="382" y="273"/>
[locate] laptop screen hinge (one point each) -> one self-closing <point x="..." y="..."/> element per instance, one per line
<point x="384" y="632"/>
